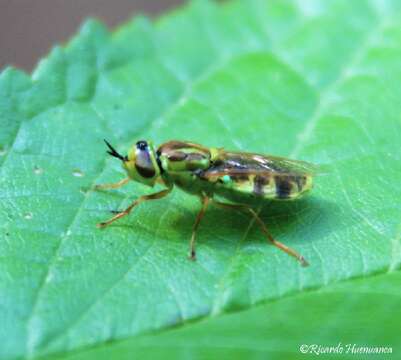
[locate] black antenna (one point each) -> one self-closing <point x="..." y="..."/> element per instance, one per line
<point x="114" y="153"/>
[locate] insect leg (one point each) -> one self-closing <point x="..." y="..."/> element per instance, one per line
<point x="112" y="186"/>
<point x="205" y="203"/>
<point x="263" y="227"/>
<point x="141" y="199"/>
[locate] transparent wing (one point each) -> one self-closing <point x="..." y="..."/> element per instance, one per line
<point x="284" y="165"/>
<point x="238" y="163"/>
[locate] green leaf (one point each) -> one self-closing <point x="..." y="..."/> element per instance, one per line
<point x="315" y="80"/>
<point x="348" y="317"/>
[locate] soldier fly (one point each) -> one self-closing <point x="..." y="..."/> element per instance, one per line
<point x="241" y="179"/>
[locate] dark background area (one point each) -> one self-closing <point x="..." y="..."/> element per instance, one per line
<point x="30" y="28"/>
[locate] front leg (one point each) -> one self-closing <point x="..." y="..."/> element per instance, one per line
<point x="141" y="199"/>
<point x="113" y="185"/>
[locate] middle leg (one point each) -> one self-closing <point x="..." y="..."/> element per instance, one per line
<point x="205" y="203"/>
<point x="112" y="185"/>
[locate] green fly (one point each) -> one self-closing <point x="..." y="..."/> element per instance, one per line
<point x="241" y="179"/>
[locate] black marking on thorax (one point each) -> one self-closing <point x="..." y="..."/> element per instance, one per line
<point x="181" y="156"/>
<point x="177" y="156"/>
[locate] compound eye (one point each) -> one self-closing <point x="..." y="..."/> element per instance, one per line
<point x="144" y="165"/>
<point x="141" y="145"/>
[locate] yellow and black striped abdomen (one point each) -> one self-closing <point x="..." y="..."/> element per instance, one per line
<point x="291" y="186"/>
<point x="269" y="187"/>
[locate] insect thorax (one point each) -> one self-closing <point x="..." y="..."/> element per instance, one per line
<point x="182" y="156"/>
<point x="182" y="162"/>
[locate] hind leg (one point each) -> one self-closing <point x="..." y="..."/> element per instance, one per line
<point x="263" y="227"/>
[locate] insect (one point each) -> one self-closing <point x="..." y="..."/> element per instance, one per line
<point x="213" y="174"/>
